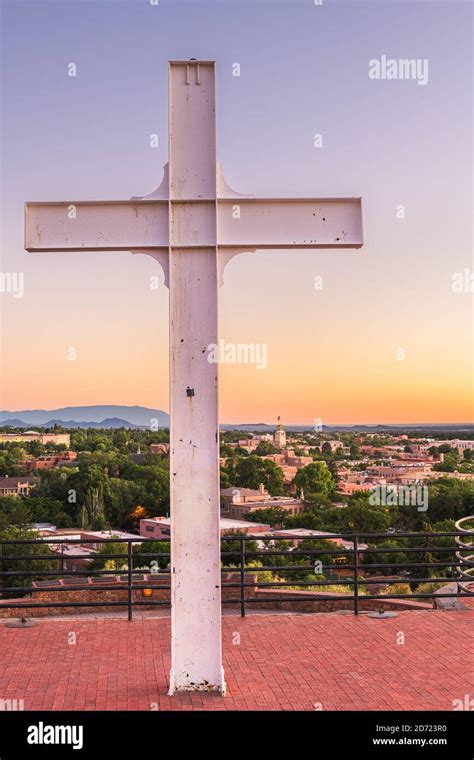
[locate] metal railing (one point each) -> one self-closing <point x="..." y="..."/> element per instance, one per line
<point x="244" y="565"/>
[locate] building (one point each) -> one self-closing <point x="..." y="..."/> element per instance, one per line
<point x="160" y="448"/>
<point x="289" y="463"/>
<point x="160" y="527"/>
<point x="108" y="534"/>
<point x="17" y="486"/>
<point x="289" y="473"/>
<point x="80" y="547"/>
<point x="400" y="474"/>
<point x="250" y="444"/>
<point x="350" y="488"/>
<point x="289" y="458"/>
<point x="455" y="443"/>
<point x="280" y="436"/>
<point x="460" y="475"/>
<point x="48" y="462"/>
<point x="34" y="435"/>
<point x="236" y="495"/>
<point x="56" y="438"/>
<point x="462" y="446"/>
<point x="237" y="502"/>
<point x="75" y="557"/>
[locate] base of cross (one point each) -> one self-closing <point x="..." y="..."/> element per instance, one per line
<point x="180" y="685"/>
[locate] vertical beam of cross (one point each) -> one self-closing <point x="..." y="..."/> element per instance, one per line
<point x="194" y="454"/>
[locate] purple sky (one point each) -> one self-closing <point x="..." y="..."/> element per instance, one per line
<point x="332" y="354"/>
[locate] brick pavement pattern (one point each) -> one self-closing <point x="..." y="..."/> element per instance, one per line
<point x="283" y="662"/>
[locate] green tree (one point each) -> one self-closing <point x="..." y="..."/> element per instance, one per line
<point x="354" y="451"/>
<point x="94" y="506"/>
<point x="14" y="511"/>
<point x="449" y="464"/>
<point x="226" y="450"/>
<point x="328" y="519"/>
<point x="308" y="519"/>
<point x="272" y="516"/>
<point x="265" y="448"/>
<point x="56" y="484"/>
<point x="49" y="510"/>
<point x="450" y="499"/>
<point x="275" y="545"/>
<point x="230" y="549"/>
<point x="396" y="559"/>
<point x="155" y="479"/>
<point x="103" y="559"/>
<point x="239" y="451"/>
<point x="309" y="563"/>
<point x="252" y="471"/>
<point x="121" y="497"/>
<point x="361" y="517"/>
<point x="157" y="548"/>
<point x="441" y="542"/>
<point x="9" y="563"/>
<point x="315" y="480"/>
<point x="445" y="448"/>
<point x="35" y="448"/>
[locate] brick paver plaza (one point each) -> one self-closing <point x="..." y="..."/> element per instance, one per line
<point x="283" y="662"/>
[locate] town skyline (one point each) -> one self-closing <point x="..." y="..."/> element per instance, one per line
<point x="74" y="416"/>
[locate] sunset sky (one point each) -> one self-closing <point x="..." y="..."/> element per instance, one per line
<point x="332" y="353"/>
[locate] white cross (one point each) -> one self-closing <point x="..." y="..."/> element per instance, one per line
<point x="193" y="224"/>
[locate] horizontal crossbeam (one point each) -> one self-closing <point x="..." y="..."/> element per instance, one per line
<point x="162" y="224"/>
<point x="96" y="226"/>
<point x="290" y="223"/>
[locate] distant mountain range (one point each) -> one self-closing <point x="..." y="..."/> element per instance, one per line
<point x="111" y="416"/>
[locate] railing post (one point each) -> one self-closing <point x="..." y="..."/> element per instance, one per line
<point x="356" y="577"/>
<point x="242" y="577"/>
<point x="130" y="577"/>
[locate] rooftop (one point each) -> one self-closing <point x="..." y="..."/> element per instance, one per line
<point x="305" y="533"/>
<point x="109" y="534"/>
<point x="12" y="482"/>
<point x="272" y="501"/>
<point x="283" y="662"/>
<point x="226" y="523"/>
<point x="240" y="491"/>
